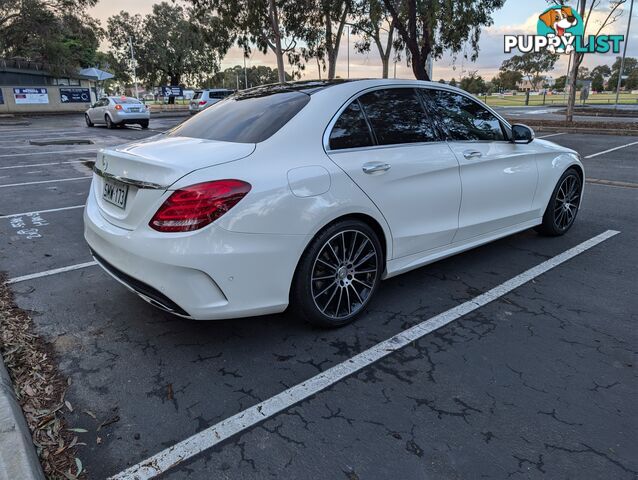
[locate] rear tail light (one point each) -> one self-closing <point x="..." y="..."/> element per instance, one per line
<point x="194" y="207"/>
<point x="202" y="102"/>
<point x="118" y="107"/>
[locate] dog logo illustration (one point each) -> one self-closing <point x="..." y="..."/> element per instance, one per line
<point x="563" y="22"/>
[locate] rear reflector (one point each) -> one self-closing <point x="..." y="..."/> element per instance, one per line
<point x="194" y="207"/>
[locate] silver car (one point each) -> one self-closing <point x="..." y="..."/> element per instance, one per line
<point x="205" y="98"/>
<point x="115" y="111"/>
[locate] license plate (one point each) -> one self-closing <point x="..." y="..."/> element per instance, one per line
<point x="133" y="109"/>
<point x="115" y="193"/>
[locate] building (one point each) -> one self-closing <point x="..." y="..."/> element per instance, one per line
<point x="27" y="87"/>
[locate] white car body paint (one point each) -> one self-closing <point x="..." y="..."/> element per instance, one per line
<point x="431" y="203"/>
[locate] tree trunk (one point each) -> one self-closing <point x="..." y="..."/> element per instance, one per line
<point x="571" y="81"/>
<point x="274" y="18"/>
<point x="332" y="44"/>
<point x="418" y="67"/>
<point x="386" y="61"/>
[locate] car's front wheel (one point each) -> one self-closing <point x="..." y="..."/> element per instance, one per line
<point x="563" y="205"/>
<point x="338" y="274"/>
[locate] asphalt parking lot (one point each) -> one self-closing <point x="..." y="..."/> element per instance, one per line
<point x="539" y="383"/>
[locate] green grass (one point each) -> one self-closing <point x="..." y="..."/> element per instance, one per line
<point x="559" y="99"/>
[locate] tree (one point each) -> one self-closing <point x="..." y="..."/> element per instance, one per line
<point x="58" y="33"/>
<point x="531" y="65"/>
<point x="330" y="20"/>
<point x="473" y="83"/>
<point x="171" y="44"/>
<point x="275" y="25"/>
<point x="375" y="25"/>
<point x="507" y="80"/>
<point x="453" y="82"/>
<point x="430" y="27"/>
<point x="442" y="81"/>
<point x="560" y="82"/>
<point x="598" y="75"/>
<point x="586" y="9"/>
<point x="631" y="65"/>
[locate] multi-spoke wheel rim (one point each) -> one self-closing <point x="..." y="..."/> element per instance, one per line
<point x="566" y="202"/>
<point x="344" y="274"/>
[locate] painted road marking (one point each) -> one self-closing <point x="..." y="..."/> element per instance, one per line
<point x="46" y="153"/>
<point x="211" y="436"/>
<point x="44" y="181"/>
<point x="611" y="183"/>
<point x="551" y="135"/>
<point x="41" y="211"/>
<point x="46" y="164"/>
<point x="611" y="150"/>
<point x="47" y="273"/>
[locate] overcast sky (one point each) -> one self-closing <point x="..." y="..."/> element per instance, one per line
<point x="516" y="17"/>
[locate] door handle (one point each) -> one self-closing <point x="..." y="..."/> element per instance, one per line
<point x="472" y="154"/>
<point x="375" y="167"/>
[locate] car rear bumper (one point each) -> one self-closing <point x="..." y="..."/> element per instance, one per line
<point x="132" y="117"/>
<point x="208" y="274"/>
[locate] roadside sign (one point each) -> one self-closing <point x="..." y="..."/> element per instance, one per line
<point x="1" y="98"/>
<point x="75" y="95"/>
<point x="30" y="95"/>
<point x="171" y="91"/>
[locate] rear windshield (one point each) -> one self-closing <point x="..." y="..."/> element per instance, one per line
<point x="126" y="100"/>
<point x="197" y="95"/>
<point x="244" y="118"/>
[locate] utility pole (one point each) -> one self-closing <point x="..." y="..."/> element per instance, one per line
<point x="348" y="44"/>
<point x="130" y="42"/>
<point x="624" y="54"/>
<point x="245" y="74"/>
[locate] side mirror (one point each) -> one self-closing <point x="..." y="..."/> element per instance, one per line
<point x="522" y="134"/>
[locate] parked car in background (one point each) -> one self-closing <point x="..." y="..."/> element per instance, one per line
<point x="310" y="193"/>
<point x="205" y="98"/>
<point x="116" y="111"/>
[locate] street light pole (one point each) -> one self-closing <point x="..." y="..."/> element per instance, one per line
<point x="130" y="42"/>
<point x="624" y="54"/>
<point x="348" y="50"/>
<point x="245" y="74"/>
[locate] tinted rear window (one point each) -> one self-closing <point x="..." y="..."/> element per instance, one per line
<point x="243" y="119"/>
<point x="197" y="95"/>
<point x="126" y="100"/>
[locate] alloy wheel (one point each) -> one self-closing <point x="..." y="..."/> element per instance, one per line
<point x="344" y="274"/>
<point x="566" y="202"/>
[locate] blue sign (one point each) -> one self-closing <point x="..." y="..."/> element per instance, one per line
<point x="1" y="98"/>
<point x="171" y="91"/>
<point x="75" y="95"/>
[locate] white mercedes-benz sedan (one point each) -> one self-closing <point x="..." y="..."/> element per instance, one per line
<point x="309" y="194"/>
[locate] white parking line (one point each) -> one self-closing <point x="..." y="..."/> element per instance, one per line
<point x="551" y="135"/>
<point x="44" y="181"/>
<point x="211" y="436"/>
<point x="46" y="153"/>
<point x="611" y="150"/>
<point x="24" y="214"/>
<point x="44" y="164"/>
<point x="50" y="272"/>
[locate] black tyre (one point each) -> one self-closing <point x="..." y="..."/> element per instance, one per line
<point x="144" y="124"/>
<point x="109" y="122"/>
<point x="89" y="123"/>
<point x="563" y="205"/>
<point x="338" y="274"/>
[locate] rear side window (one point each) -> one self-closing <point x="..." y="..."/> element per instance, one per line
<point x="197" y="95"/>
<point x="244" y="118"/>
<point x="351" y="129"/>
<point x="396" y="116"/>
<point x="463" y="118"/>
<point x="126" y="101"/>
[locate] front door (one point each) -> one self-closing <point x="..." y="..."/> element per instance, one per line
<point x="498" y="177"/>
<point x="384" y="141"/>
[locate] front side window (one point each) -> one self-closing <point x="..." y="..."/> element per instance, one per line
<point x="396" y="116"/>
<point x="246" y="118"/>
<point x="351" y="129"/>
<point x="462" y="118"/>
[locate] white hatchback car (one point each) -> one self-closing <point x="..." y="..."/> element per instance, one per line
<point x="310" y="193"/>
<point x="203" y="99"/>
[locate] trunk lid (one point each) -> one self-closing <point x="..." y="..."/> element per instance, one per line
<point x="144" y="170"/>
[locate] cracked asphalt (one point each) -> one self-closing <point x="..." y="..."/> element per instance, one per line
<point x="540" y="383"/>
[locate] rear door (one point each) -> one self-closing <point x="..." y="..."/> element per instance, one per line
<point x="384" y="141"/>
<point x="498" y="177"/>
